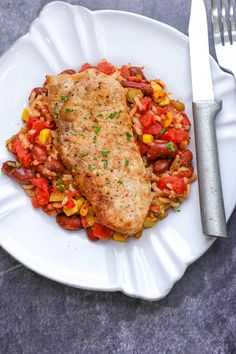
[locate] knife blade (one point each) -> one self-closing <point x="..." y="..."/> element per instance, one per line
<point x="205" y="110"/>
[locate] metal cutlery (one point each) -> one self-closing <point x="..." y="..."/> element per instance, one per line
<point x="205" y="109"/>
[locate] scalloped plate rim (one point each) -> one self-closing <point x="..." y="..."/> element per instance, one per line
<point x="113" y="288"/>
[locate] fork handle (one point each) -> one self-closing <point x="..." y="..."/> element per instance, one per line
<point x="210" y="189"/>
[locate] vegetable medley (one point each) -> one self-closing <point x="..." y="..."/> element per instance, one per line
<point x="161" y="129"/>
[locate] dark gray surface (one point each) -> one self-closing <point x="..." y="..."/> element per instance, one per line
<point x="40" y="316"/>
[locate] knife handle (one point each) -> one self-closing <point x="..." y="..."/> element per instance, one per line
<point x="210" y="189"/>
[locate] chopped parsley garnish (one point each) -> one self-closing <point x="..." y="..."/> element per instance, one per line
<point x="126" y="162"/>
<point x="14" y="164"/>
<point x="55" y="111"/>
<point x="114" y="115"/>
<point x="104" y="153"/>
<point x="161" y="214"/>
<point x="67" y="110"/>
<point x="128" y="136"/>
<point x="162" y="131"/>
<point x="90" y="167"/>
<point x="65" y="98"/>
<point x="105" y="164"/>
<point x="95" y="138"/>
<point x="138" y="76"/>
<point x="97" y="129"/>
<point x="120" y="181"/>
<point x="85" y="154"/>
<point x="170" y="146"/>
<point x="60" y="187"/>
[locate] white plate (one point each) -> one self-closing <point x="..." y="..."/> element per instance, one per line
<point x="66" y="36"/>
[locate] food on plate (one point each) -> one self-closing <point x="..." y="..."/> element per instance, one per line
<point x="104" y="149"/>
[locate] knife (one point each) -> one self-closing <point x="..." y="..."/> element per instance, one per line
<point x="205" y="110"/>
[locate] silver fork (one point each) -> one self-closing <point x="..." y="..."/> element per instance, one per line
<point x="224" y="32"/>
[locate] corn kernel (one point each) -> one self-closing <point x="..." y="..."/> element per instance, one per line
<point x="147" y="138"/>
<point x="45" y="136"/>
<point x="56" y="197"/>
<point x="156" y="96"/>
<point x="168" y="120"/>
<point x="84" y="209"/>
<point x="183" y="144"/>
<point x="165" y="102"/>
<point x="90" y="220"/>
<point x="149" y="222"/>
<point x="25" y="115"/>
<point x="119" y="237"/>
<point x="156" y="87"/>
<point x="71" y="211"/>
<point x="178" y="105"/>
<point x="80" y="202"/>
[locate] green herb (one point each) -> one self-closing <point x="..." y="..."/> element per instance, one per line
<point x="162" y="131"/>
<point x="111" y="116"/>
<point x="138" y="76"/>
<point x="126" y="162"/>
<point x="97" y="173"/>
<point x="55" y="111"/>
<point x="161" y="214"/>
<point x="100" y="115"/>
<point x="97" y="129"/>
<point x="90" y="167"/>
<point x="95" y="138"/>
<point x="128" y="136"/>
<point x="14" y="164"/>
<point x="60" y="187"/>
<point x="170" y="146"/>
<point x="104" y="153"/>
<point x="105" y="164"/>
<point x="67" y="110"/>
<point x="65" y="98"/>
<point x="85" y="154"/>
<point x="120" y="181"/>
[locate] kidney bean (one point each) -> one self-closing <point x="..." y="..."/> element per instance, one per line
<point x="69" y="72"/>
<point x="69" y="222"/>
<point x="20" y="174"/>
<point x="39" y="90"/>
<point x="146" y="88"/>
<point x="55" y="165"/>
<point x="161" y="166"/>
<point x="160" y="150"/>
<point x="39" y="153"/>
<point x="135" y="70"/>
<point x="186" y="158"/>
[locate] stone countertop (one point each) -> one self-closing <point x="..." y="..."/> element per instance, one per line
<point x="41" y="316"/>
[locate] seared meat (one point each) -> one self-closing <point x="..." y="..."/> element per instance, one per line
<point x="96" y="143"/>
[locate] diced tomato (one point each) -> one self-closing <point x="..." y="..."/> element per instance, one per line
<point x="42" y="192"/>
<point x="175" y="135"/>
<point x="143" y="148"/>
<point x="145" y="103"/>
<point x="185" y="121"/>
<point x="90" y="234"/>
<point x="101" y="231"/>
<point x="72" y="194"/>
<point x="124" y="71"/>
<point x="158" y="110"/>
<point x="22" y="153"/>
<point x="30" y="122"/>
<point x="147" y="119"/>
<point x="178" y="184"/>
<point x="154" y="129"/>
<point x="70" y="203"/>
<point x="106" y="67"/>
<point x="37" y="126"/>
<point x="85" y="66"/>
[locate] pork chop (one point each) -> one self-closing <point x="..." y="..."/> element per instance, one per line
<point x="96" y="143"/>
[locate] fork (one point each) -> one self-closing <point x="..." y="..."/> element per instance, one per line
<point x="224" y="32"/>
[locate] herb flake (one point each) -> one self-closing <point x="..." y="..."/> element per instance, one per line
<point x="60" y="187"/>
<point x="67" y="110"/>
<point x="170" y="146"/>
<point x="126" y="162"/>
<point x="129" y="136"/>
<point x="105" y="164"/>
<point x="104" y="152"/>
<point x="65" y="98"/>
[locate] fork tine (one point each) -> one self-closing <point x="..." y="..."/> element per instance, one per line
<point x="224" y="22"/>
<point x="215" y="22"/>
<point x="232" y="20"/>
